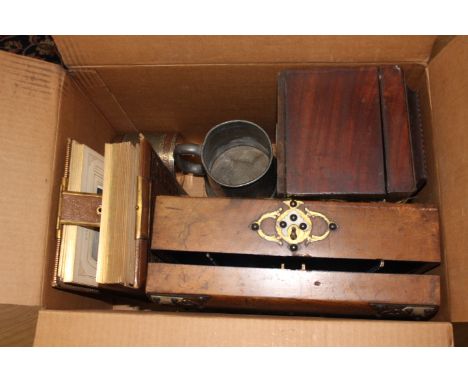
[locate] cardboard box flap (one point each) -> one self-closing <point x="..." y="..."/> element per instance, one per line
<point x="86" y="51"/>
<point x="448" y="73"/>
<point x="29" y="103"/>
<point x="59" y="328"/>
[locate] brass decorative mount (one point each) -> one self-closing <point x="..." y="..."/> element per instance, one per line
<point x="293" y="225"/>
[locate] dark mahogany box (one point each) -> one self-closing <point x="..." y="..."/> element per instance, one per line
<point x="348" y="133"/>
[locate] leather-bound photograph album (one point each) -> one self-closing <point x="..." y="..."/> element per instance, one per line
<point x="105" y="215"/>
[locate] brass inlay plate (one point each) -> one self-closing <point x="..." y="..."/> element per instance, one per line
<point x="293" y="225"/>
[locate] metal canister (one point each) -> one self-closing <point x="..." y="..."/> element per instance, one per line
<point x="236" y="160"/>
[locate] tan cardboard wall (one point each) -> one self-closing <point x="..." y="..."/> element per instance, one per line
<point x="35" y="98"/>
<point x="86" y="51"/>
<point x="29" y="98"/>
<point x="56" y="328"/>
<point x="448" y="74"/>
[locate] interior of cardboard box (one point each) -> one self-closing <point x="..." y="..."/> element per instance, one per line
<point x="188" y="99"/>
<point x="123" y="84"/>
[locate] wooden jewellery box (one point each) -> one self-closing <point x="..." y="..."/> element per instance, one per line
<point x="352" y="133"/>
<point x="338" y="258"/>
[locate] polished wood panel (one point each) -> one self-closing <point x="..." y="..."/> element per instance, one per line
<point x="161" y="181"/>
<point x="365" y="230"/>
<point x="396" y="132"/>
<point x="353" y="133"/>
<point x="330" y="125"/>
<point x="290" y="290"/>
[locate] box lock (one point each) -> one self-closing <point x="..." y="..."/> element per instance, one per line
<point x="293" y="226"/>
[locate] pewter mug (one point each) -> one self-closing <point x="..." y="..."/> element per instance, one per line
<point x="236" y="159"/>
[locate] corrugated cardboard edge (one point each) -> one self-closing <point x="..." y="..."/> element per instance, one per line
<point x="449" y="96"/>
<point x="88" y="51"/>
<point x="74" y="328"/>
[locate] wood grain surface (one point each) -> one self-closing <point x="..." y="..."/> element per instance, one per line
<point x="400" y="178"/>
<point x="292" y="290"/>
<point x="330" y="125"/>
<point x="365" y="230"/>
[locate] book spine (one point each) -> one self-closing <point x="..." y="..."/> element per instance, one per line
<point x="63" y="187"/>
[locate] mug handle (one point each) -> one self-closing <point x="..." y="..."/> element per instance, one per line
<point x="185" y="165"/>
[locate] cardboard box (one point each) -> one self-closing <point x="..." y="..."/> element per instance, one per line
<point x="189" y="84"/>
